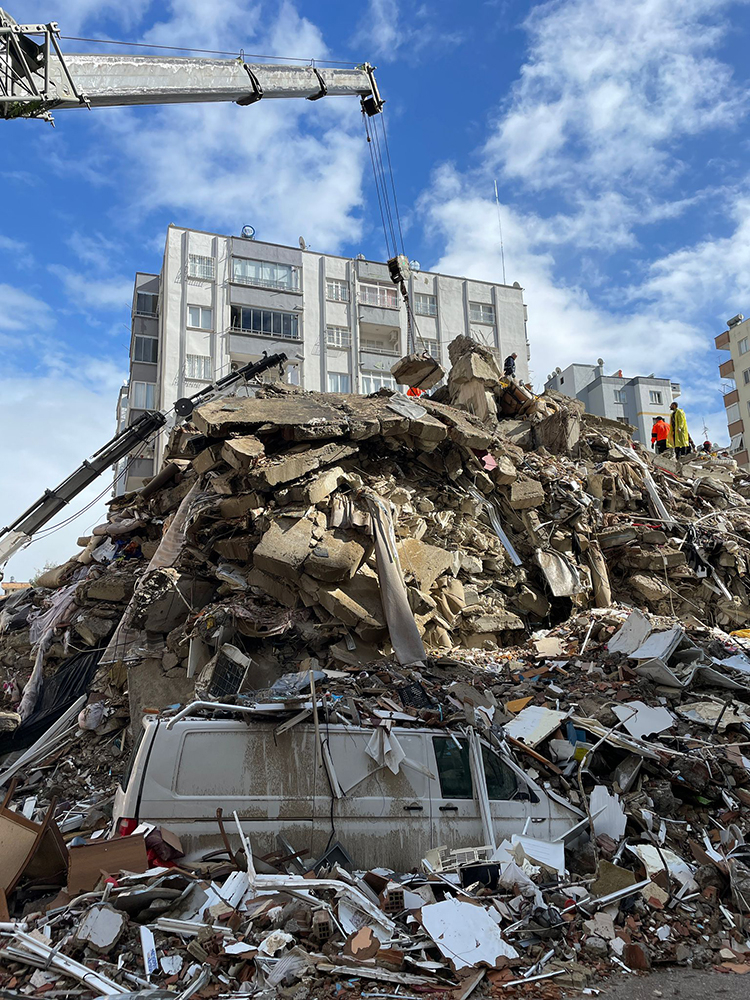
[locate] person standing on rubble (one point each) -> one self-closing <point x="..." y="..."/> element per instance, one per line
<point x="510" y="365"/>
<point x="678" y="438"/>
<point x="659" y="434"/>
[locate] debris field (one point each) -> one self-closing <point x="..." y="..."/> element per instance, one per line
<point x="483" y="564"/>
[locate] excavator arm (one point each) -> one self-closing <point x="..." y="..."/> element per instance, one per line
<point x="37" y="78"/>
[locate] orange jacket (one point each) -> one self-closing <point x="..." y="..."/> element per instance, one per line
<point x="659" y="431"/>
<point x="414" y="391"/>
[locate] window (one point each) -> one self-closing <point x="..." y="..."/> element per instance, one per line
<point x="265" y="274"/>
<point x="480" y="312"/>
<point x="453" y="767"/>
<point x="292" y="375"/>
<point x="201" y="267"/>
<point x="142" y="395"/>
<point x="338" y="382"/>
<point x="431" y="346"/>
<point x="378" y="295"/>
<point x="337" y="291"/>
<point x="655" y="397"/>
<point x="146" y="349"/>
<point x="746" y="376"/>
<point x="733" y="413"/>
<point x="744" y="346"/>
<point x="501" y="781"/>
<point x="146" y="303"/>
<point x="338" y="336"/>
<point x="373" y="381"/>
<point x="619" y="395"/>
<point x="265" y="322"/>
<point x="198" y="366"/>
<point x="623" y="420"/>
<point x="375" y="346"/>
<point x="736" y="443"/>
<point x="200" y="317"/>
<point x="425" y="305"/>
<point x="562" y="380"/>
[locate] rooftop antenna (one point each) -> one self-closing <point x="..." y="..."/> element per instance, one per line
<point x="500" y="227"/>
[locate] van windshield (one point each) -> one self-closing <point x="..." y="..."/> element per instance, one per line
<point x="454" y="771"/>
<point x="133" y="753"/>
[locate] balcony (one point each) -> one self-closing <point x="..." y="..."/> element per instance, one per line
<point x="741" y="458"/>
<point x="278" y="286"/>
<point x="726" y="370"/>
<point x="722" y="341"/>
<point x="676" y="389"/>
<point x="731" y="397"/>
<point x="737" y="427"/>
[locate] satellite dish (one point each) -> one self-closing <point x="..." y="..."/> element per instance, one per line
<point x="302" y="244"/>
<point x="248" y="233"/>
<point x="415" y="266"/>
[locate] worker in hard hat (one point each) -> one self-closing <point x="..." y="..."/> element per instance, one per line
<point x="510" y="365"/>
<point x="659" y="435"/>
<point x="678" y="437"/>
<point x="414" y="390"/>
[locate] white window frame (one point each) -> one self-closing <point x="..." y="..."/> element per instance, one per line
<point x="201" y="266"/>
<point x="733" y="413"/>
<point x="338" y="337"/>
<point x="482" y="312"/>
<point x="374" y="345"/>
<point x="205" y="318"/>
<point x="268" y="274"/>
<point x="373" y="381"/>
<point x="744" y="345"/>
<point x="198" y="367"/>
<point x="425" y="304"/>
<point x="340" y="382"/>
<point x="293" y="326"/>
<point x="144" y="390"/>
<point x="154" y="296"/>
<point x="293" y="375"/>
<point x="144" y="361"/>
<point x="619" y="395"/>
<point x="655" y="397"/>
<point x="337" y="290"/>
<point x="381" y="296"/>
<point x="746" y="376"/>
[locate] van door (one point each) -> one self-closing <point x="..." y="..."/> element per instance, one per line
<point x="383" y="820"/>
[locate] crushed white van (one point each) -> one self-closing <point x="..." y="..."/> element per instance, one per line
<point x="388" y="798"/>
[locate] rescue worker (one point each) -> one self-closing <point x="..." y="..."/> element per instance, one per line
<point x="707" y="447"/>
<point x="678" y="438"/>
<point x="659" y="434"/>
<point x="510" y="365"/>
<point x="414" y="390"/>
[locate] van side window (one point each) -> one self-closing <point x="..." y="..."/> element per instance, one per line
<point x="501" y="781"/>
<point x="454" y="769"/>
<point x="133" y="754"/>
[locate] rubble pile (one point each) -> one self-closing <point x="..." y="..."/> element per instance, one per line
<point x="482" y="562"/>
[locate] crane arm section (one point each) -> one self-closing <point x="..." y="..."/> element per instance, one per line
<point x="36" y="77"/>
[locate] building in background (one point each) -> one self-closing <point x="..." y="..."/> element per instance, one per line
<point x="735" y="373"/>
<point x="220" y="301"/>
<point x="633" y="401"/>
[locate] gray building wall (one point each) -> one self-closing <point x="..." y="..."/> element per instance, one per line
<point x="357" y="355"/>
<point x="634" y="401"/>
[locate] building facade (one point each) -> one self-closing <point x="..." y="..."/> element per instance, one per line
<point x="735" y="374"/>
<point x="219" y="302"/>
<point x="633" y="401"/>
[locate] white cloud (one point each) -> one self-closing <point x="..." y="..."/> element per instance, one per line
<point x="93" y="291"/>
<point x="74" y="15"/>
<point x="388" y="27"/>
<point x="607" y="89"/>
<point x="59" y="419"/>
<point x="21" y="311"/>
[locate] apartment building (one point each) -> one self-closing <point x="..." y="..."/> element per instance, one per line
<point x="633" y="401"/>
<point x="220" y="301"/>
<point x="735" y="374"/>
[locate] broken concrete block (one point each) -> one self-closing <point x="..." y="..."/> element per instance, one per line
<point x="424" y="562"/>
<point x="110" y="587"/>
<point x="505" y="471"/>
<point x="238" y="548"/>
<point x="650" y="587"/>
<point x="525" y="493"/>
<point x="101" y="928"/>
<point x="208" y="459"/>
<point x="474" y="366"/>
<point x="499" y="621"/>
<point x="299" y="462"/>
<point x="284" y="547"/>
<point x="242" y="452"/>
<point x="417" y="370"/>
<point x="337" y="556"/>
<point x="301" y="416"/>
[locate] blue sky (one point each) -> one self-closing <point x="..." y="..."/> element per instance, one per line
<point x="617" y="132"/>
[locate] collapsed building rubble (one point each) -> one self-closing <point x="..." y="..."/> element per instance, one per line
<point x="484" y="563"/>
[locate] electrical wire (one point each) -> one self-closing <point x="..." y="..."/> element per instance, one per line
<point x="212" y="52"/>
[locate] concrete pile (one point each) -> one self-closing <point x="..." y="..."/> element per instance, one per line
<point x="480" y="560"/>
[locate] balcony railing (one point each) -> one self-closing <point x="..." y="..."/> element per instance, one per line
<point x="279" y="286"/>
<point x="264" y="333"/>
<point x="722" y="341"/>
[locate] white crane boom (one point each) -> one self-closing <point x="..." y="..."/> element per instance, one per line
<point x="36" y="77"/>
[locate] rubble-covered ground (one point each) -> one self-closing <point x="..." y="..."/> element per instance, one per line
<point x="482" y="560"/>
